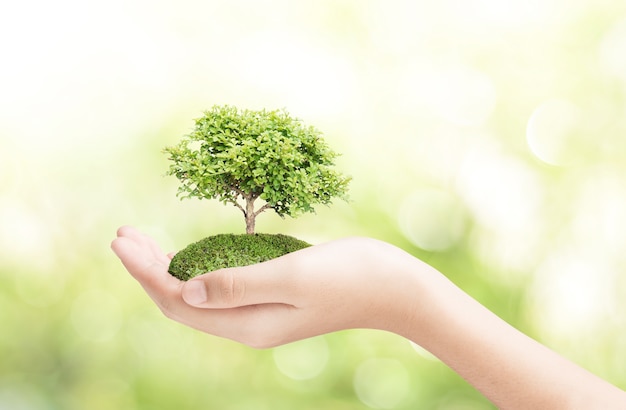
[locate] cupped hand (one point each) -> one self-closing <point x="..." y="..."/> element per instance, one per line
<point x="359" y="282"/>
<point x="347" y="283"/>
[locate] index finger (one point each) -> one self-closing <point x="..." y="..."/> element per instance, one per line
<point x="149" y="271"/>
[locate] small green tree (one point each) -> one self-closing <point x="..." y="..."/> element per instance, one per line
<point x="239" y="156"/>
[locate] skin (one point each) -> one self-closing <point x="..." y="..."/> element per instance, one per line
<point x="364" y="283"/>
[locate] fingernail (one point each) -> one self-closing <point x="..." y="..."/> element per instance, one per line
<point x="194" y="292"/>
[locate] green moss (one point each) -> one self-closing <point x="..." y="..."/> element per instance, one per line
<point x="230" y="250"/>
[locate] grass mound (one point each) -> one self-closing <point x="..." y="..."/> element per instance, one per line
<point x="230" y="250"/>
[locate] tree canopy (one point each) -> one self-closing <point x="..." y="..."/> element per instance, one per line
<point x="237" y="156"/>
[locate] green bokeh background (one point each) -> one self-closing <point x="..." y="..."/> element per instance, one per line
<point x="486" y="137"/>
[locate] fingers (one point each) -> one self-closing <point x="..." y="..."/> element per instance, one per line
<point x="254" y="324"/>
<point x="273" y="281"/>
<point x="258" y="326"/>
<point x="305" y="293"/>
<point x="147" y="267"/>
<point x="146" y="242"/>
<point x="312" y="275"/>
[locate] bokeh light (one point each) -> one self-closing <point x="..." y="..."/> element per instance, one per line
<point x="423" y="352"/>
<point x="573" y="292"/>
<point x="382" y="383"/>
<point x="432" y="220"/>
<point x="601" y="209"/>
<point x="552" y="131"/>
<point x="613" y="50"/>
<point x="503" y="192"/>
<point x="302" y="360"/>
<point x="462" y="96"/>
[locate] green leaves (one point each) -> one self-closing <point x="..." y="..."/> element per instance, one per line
<point x="242" y="154"/>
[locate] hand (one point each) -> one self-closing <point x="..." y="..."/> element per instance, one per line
<point x="348" y="283"/>
<point x="358" y="282"/>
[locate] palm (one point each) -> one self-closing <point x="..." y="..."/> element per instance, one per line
<point x="148" y="264"/>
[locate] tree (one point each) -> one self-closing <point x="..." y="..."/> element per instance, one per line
<point x="239" y="156"/>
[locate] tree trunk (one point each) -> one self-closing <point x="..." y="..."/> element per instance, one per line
<point x="250" y="216"/>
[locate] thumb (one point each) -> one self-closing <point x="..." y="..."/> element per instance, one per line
<point x="249" y="285"/>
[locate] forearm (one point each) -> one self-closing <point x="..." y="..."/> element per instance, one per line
<point x="359" y="282"/>
<point x="511" y="369"/>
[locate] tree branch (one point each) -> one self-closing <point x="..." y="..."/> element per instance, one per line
<point x="237" y="190"/>
<point x="234" y="202"/>
<point x="263" y="208"/>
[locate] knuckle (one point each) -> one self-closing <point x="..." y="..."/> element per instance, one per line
<point x="231" y="291"/>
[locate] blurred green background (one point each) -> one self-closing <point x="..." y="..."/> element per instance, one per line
<point x="486" y="137"/>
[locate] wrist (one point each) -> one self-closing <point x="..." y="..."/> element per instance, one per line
<point x="409" y="297"/>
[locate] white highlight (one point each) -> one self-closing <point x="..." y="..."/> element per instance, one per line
<point x="462" y="96"/>
<point x="309" y="76"/>
<point x="613" y="50"/>
<point x="423" y="352"/>
<point x="431" y="219"/>
<point x="302" y="360"/>
<point x="24" y="234"/>
<point x="571" y="292"/>
<point x="599" y="224"/>
<point x="381" y="383"/>
<point x="551" y="131"/>
<point x="503" y="192"/>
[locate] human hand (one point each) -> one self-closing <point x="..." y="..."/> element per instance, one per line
<point x="347" y="283"/>
<point x="364" y="283"/>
